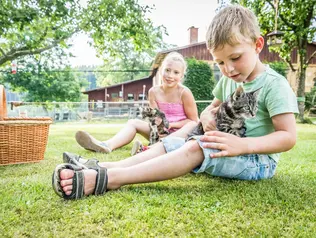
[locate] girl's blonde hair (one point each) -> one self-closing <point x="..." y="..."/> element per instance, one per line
<point x="175" y="56"/>
<point x="232" y="25"/>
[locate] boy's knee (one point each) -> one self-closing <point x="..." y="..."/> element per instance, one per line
<point x="193" y="146"/>
<point x="192" y="124"/>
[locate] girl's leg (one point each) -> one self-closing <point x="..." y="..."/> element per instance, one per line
<point x="185" y="130"/>
<point x="127" y="134"/>
<point x="174" y="164"/>
<point x="123" y="137"/>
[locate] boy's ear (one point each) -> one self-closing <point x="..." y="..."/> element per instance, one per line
<point x="259" y="44"/>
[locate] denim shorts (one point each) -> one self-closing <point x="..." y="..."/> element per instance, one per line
<point x="244" y="167"/>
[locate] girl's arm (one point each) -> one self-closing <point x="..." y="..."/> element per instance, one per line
<point x="190" y="109"/>
<point x="152" y="98"/>
<point x="283" y="139"/>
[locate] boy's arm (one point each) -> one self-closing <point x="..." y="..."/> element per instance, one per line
<point x="207" y="117"/>
<point x="283" y="139"/>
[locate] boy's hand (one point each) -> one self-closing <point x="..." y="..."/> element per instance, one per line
<point x="207" y="119"/>
<point x="228" y="144"/>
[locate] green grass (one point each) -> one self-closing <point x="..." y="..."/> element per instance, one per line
<point x="190" y="206"/>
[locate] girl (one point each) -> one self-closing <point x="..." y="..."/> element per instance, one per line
<point x="171" y="97"/>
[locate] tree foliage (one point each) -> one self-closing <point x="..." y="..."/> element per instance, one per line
<point x="30" y="27"/>
<point x="44" y="82"/>
<point x="296" y="19"/>
<point x="199" y="78"/>
<point x="311" y="99"/>
<point x="129" y="64"/>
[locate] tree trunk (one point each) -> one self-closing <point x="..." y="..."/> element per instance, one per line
<point x="300" y="77"/>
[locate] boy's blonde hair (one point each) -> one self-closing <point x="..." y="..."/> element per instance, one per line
<point x="175" y="56"/>
<point x="232" y="25"/>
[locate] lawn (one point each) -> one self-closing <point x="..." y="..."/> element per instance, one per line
<point x="190" y="206"/>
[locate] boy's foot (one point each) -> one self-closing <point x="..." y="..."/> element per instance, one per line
<point x="86" y="141"/>
<point x="138" y="147"/>
<point x="72" y="182"/>
<point x="66" y="181"/>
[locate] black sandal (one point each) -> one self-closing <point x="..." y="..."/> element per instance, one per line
<point x="80" y="161"/>
<point x="78" y="181"/>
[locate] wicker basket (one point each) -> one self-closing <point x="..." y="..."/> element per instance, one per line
<point x="22" y="139"/>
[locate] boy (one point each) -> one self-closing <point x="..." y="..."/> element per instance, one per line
<point x="234" y="41"/>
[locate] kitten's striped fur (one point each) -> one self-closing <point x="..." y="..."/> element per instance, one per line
<point x="231" y="115"/>
<point x="150" y="115"/>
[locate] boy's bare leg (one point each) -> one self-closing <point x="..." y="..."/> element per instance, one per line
<point x="167" y="166"/>
<point x="154" y="151"/>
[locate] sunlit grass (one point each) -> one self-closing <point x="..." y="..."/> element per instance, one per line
<point x="190" y="206"/>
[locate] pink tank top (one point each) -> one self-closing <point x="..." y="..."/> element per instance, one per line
<point x="174" y="112"/>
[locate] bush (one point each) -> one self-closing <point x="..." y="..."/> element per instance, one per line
<point x="280" y="67"/>
<point x="310" y="99"/>
<point x="199" y="79"/>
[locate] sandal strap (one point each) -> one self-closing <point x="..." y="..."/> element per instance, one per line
<point x="92" y="164"/>
<point x="77" y="183"/>
<point x="75" y="160"/>
<point x="101" y="181"/>
<point x="77" y="186"/>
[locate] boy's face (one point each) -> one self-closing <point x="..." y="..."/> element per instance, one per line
<point x="239" y="62"/>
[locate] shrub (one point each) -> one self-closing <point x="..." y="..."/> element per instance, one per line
<point x="199" y="78"/>
<point x="310" y="99"/>
<point x="280" y="67"/>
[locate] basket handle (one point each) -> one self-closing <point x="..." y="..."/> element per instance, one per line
<point x="3" y="103"/>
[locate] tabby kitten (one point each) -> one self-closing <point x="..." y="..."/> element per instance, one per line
<point x="231" y="115"/>
<point x="150" y="115"/>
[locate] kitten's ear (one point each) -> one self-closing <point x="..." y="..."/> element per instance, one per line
<point x="256" y="92"/>
<point x="239" y="91"/>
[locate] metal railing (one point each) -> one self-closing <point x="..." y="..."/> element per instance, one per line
<point x="76" y="111"/>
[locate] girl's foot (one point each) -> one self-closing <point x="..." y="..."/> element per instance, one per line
<point x="138" y="147"/>
<point x="88" y="142"/>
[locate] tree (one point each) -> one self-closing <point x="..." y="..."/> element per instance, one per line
<point x="43" y="80"/>
<point x="129" y="64"/>
<point x="31" y="27"/>
<point x="199" y="78"/>
<point x="296" y="19"/>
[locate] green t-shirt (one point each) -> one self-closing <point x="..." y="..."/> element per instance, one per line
<point x="275" y="97"/>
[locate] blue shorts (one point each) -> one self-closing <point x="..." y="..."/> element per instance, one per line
<point x="244" y="167"/>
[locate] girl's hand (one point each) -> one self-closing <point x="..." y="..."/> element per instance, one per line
<point x="228" y="144"/>
<point x="158" y="121"/>
<point x="207" y="119"/>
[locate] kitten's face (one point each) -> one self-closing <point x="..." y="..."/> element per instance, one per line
<point x="245" y="104"/>
<point x="147" y="112"/>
